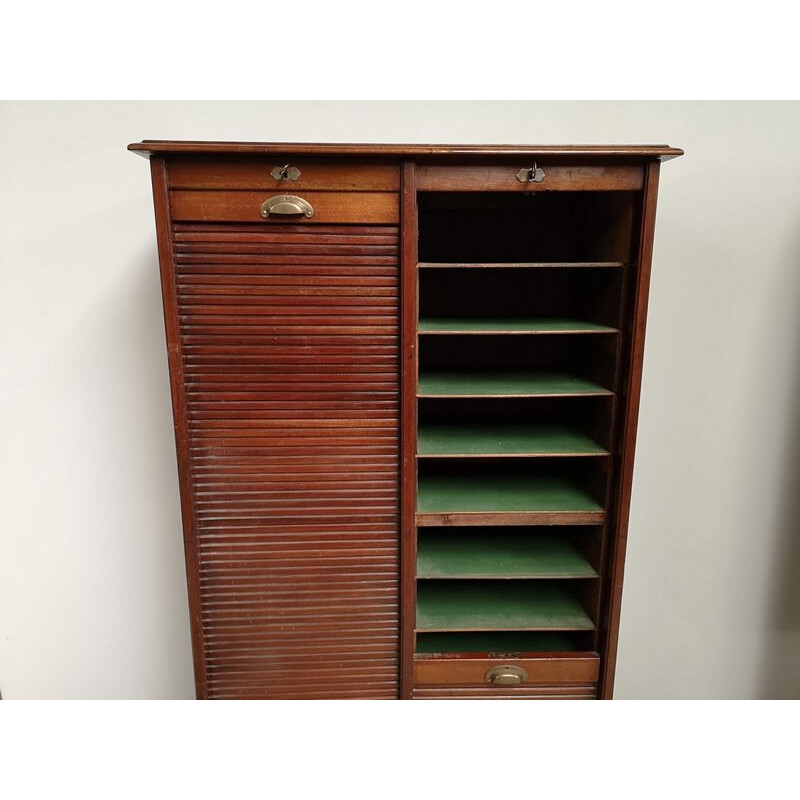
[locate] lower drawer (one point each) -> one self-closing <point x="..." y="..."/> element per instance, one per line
<point x="502" y="674"/>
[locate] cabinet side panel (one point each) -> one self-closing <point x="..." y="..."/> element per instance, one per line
<point x="289" y="338"/>
<point x="629" y="419"/>
<point x="158" y="170"/>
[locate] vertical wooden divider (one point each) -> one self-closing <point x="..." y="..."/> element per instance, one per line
<point x="408" y="425"/>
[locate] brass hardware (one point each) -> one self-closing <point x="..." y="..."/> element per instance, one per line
<point x="285" y="173"/>
<point x="286" y="204"/>
<point x="506" y="675"/>
<point x="534" y="174"/>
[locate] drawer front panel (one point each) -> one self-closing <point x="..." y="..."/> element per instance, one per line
<point x="540" y="670"/>
<point x="576" y="692"/>
<point x="368" y="208"/>
<point x="289" y="352"/>
<point x="256" y="173"/>
<point x="502" y="178"/>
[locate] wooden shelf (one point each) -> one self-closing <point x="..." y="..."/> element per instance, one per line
<point x="499" y="498"/>
<point x="504" y="383"/>
<point x="507" y="325"/>
<point x="521" y="265"/>
<point x="505" y="554"/>
<point x="495" y="642"/>
<point x="504" y="605"/>
<point x="498" y="439"/>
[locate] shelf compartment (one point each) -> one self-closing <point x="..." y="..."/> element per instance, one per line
<point x="499" y="554"/>
<point x="497" y="498"/>
<point x="586" y="418"/>
<point x="520" y="301"/>
<point x="460" y="326"/>
<point x="517" y="228"/>
<point x="499" y="605"/>
<point x="498" y="642"/>
<point x="470" y="439"/>
<point x="505" y="383"/>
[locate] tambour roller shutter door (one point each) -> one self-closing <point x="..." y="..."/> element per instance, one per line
<point x="288" y="338"/>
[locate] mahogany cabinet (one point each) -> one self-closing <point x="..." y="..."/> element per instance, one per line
<point x="405" y="384"/>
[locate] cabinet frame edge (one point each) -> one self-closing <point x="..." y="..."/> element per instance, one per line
<point x="627" y="441"/>
<point x="159" y="175"/>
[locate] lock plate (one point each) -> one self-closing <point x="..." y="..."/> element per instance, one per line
<point x="285" y="172"/>
<point x="534" y="174"/>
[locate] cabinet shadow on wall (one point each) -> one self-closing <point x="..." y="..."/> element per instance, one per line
<point x="780" y="671"/>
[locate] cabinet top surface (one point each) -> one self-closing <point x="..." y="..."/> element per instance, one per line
<point x="149" y="147"/>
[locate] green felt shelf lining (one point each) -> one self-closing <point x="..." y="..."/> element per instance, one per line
<point x="500" y="492"/>
<point x="502" y="438"/>
<point x="500" y="554"/>
<point x="488" y="383"/>
<point x="499" y="605"/>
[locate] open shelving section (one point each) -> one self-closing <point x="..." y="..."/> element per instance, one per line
<point x="498" y="606"/>
<point x="519" y="333"/>
<point x="436" y="439"/>
<point x="496" y="495"/>
<point x="493" y="554"/>
<point x="487" y="642"/>
<point x="504" y="383"/>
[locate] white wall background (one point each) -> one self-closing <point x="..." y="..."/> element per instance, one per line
<point x="92" y="593"/>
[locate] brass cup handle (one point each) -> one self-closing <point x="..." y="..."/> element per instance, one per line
<point x="286" y="205"/>
<point x="506" y="675"/>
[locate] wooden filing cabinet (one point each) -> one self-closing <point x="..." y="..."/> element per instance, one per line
<point x="405" y="384"/>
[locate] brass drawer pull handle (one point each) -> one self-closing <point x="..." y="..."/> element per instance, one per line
<point x="506" y="675"/>
<point x="286" y="204"/>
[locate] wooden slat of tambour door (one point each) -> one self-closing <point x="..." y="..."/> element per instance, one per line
<point x="290" y="353"/>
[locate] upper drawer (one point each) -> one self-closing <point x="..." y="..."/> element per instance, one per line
<point x="503" y="178"/>
<point x="300" y="175"/>
<point x="374" y="208"/>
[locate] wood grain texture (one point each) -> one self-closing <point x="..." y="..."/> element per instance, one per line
<point x="629" y="414"/>
<point x="485" y="692"/>
<point x="409" y="151"/>
<point x="510" y="518"/>
<point x="291" y="388"/>
<point x="256" y="173"/>
<point x="166" y="258"/>
<point x="368" y="208"/>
